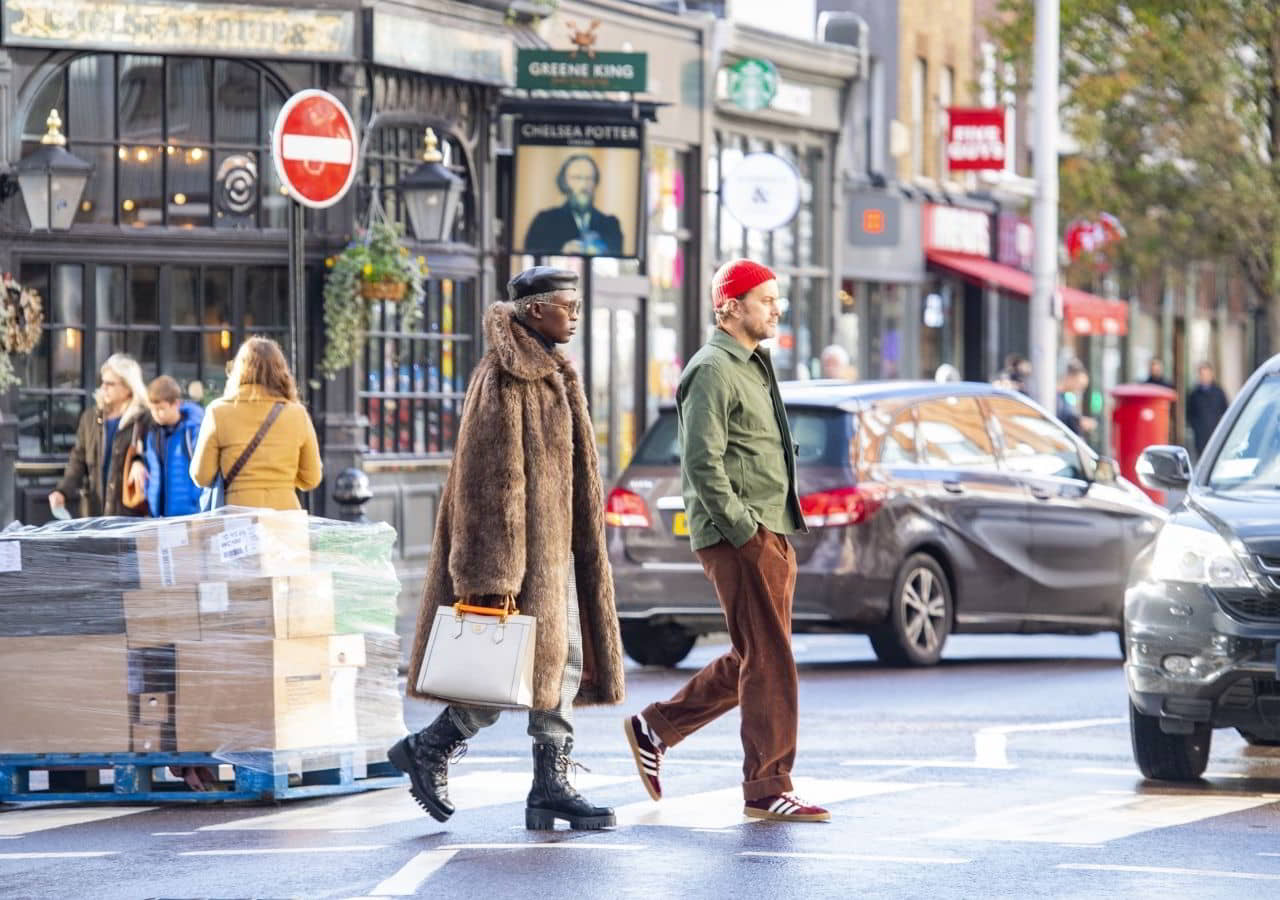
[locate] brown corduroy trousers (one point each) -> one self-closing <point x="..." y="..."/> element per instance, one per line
<point x="755" y="585"/>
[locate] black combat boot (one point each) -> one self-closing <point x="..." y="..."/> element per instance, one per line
<point x="552" y="797"/>
<point x="425" y="758"/>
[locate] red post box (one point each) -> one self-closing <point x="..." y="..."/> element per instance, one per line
<point x="1139" y="418"/>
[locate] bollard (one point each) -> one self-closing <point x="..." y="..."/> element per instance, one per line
<point x="351" y="492"/>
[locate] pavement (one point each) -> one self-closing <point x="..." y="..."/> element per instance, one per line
<point x="1003" y="772"/>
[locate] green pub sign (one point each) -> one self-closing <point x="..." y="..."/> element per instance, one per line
<point x="569" y="70"/>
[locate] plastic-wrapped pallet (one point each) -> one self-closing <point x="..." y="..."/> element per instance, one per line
<point x="238" y="633"/>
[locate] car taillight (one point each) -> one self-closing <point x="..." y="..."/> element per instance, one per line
<point x="841" y="506"/>
<point x="626" y="509"/>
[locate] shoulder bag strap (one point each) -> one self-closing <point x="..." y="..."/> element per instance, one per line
<point x="253" y="444"/>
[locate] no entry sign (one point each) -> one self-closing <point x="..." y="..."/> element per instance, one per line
<point x="314" y="146"/>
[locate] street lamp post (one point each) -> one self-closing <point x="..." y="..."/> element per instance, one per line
<point x="431" y="193"/>
<point x="51" y="180"/>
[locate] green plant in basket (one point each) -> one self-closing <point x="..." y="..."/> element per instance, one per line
<point x="375" y="266"/>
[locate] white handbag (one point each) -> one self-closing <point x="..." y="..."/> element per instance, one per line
<point x="480" y="656"/>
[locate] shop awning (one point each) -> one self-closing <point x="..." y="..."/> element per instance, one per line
<point x="1082" y="313"/>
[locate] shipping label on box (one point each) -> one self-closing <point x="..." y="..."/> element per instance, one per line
<point x="248" y="545"/>
<point x="167" y="556"/>
<point x="10" y="556"/>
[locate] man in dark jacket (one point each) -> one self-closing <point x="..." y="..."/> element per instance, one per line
<point x="577" y="227"/>
<point x="1155" y="373"/>
<point x="1206" y="404"/>
<point x="738" y="478"/>
<point x="522" y="516"/>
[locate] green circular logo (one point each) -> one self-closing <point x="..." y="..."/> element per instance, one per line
<point x="753" y="83"/>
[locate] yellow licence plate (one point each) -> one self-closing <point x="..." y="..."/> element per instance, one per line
<point x="680" y="525"/>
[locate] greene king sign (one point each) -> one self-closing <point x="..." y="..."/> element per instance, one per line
<point x="567" y="70"/>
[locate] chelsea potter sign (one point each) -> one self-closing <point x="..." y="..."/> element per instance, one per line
<point x="570" y="70"/>
<point x="164" y="25"/>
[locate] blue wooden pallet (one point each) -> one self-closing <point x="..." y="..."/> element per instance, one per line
<point x="259" y="777"/>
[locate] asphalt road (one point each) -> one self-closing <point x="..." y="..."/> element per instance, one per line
<point x="1005" y="771"/>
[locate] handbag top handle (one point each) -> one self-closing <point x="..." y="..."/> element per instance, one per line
<point x="509" y="608"/>
<point x="276" y="409"/>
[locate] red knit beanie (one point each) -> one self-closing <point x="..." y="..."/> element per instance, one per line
<point x="736" y="278"/>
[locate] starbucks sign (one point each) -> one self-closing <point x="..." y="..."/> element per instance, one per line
<point x="753" y="83"/>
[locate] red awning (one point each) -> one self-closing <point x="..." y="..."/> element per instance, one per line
<point x="1082" y="312"/>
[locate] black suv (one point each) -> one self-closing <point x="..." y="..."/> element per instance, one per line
<point x="932" y="508"/>
<point x="1202" y="612"/>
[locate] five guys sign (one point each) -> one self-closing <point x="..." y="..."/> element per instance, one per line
<point x="975" y="139"/>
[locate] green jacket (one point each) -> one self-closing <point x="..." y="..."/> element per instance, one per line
<point x="738" y="462"/>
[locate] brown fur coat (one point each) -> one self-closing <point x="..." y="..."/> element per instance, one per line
<point x="523" y="491"/>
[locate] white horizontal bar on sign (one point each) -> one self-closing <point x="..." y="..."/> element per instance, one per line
<point x="312" y="148"/>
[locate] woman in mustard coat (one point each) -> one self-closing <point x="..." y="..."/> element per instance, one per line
<point x="287" y="460"/>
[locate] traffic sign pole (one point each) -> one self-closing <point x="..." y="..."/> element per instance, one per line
<point x="298" y="296"/>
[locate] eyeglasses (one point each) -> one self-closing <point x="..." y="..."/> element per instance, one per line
<point x="573" y="307"/>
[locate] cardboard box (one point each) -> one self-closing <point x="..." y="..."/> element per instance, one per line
<point x="167" y="554"/>
<point x="266" y="694"/>
<point x="236" y="545"/>
<point x="64" y="694"/>
<point x="285" y="606"/>
<point x="54" y="610"/>
<point x="155" y="709"/>
<point x="146" y="738"/>
<point x="161" y="616"/>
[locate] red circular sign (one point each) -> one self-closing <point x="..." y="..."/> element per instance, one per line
<point x="314" y="147"/>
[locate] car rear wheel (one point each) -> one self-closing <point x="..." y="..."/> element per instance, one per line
<point x="1257" y="740"/>
<point x="920" y="615"/>
<point x="1168" y="757"/>
<point x="657" y="645"/>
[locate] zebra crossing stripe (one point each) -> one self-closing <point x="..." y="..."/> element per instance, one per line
<point x="405" y="883"/>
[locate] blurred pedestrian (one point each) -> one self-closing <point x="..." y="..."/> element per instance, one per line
<point x="1016" y="373"/>
<point x="522" y="518"/>
<point x="115" y="422"/>
<point x="260" y="403"/>
<point x="834" y="362"/>
<point x="1206" y="404"/>
<point x="737" y="475"/>
<point x="170" y="446"/>
<point x="1071" y="393"/>
<point x="1155" y="373"/>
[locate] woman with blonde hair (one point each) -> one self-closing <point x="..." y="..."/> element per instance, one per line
<point x="117" y="419"/>
<point x="259" y="407"/>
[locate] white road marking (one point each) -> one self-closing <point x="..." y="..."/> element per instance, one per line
<point x="924" y="764"/>
<point x="83" y="854"/>
<point x="1161" y="870"/>
<point x="171" y="833"/>
<point x="273" y="851"/>
<point x="991" y="745"/>
<point x="377" y="809"/>
<point x="1095" y="818"/>
<point x="862" y="857"/>
<point x="547" y="845"/>
<point x="405" y="883"/>
<point x="25" y="821"/>
<point x="723" y="808"/>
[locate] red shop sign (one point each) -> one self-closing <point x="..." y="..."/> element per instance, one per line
<point x="975" y="139"/>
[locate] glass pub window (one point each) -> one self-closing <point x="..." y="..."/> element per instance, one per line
<point x="414" y="381"/>
<point x="174" y="141"/>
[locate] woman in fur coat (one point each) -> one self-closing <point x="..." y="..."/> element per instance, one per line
<point x="522" y="516"/>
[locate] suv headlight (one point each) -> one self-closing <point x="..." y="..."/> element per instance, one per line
<point x="1196" y="556"/>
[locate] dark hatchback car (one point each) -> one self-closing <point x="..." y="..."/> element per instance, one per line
<point x="932" y="509"/>
<point x="1202" y="612"/>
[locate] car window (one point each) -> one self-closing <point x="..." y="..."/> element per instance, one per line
<point x="952" y="433"/>
<point x="1250" y="456"/>
<point x="820" y="435"/>
<point x="1034" y="444"/>
<point x="899" y="445"/>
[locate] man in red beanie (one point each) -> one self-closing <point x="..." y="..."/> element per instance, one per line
<point x="738" y="477"/>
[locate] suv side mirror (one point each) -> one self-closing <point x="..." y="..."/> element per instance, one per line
<point x="1106" y="470"/>
<point x="1164" y="468"/>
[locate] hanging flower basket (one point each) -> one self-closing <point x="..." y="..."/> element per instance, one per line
<point x="376" y="265"/>
<point x="384" y="290"/>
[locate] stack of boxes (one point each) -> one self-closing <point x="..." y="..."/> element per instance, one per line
<point x="210" y="633"/>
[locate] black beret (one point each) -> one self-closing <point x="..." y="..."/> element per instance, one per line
<point x="541" y="280"/>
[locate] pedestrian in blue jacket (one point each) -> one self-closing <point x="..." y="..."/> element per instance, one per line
<point x="170" y="444"/>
